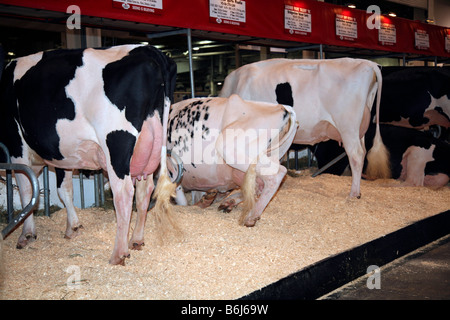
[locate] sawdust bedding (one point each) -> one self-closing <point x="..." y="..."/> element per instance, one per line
<point x="309" y="219"/>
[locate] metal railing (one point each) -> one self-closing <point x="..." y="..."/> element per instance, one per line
<point x="17" y="220"/>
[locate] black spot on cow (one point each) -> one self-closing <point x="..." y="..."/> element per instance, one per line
<point x="283" y="92"/>
<point x="197" y="103"/>
<point x="406" y="92"/>
<point x="441" y="155"/>
<point x="59" y="177"/>
<point x="197" y="116"/>
<point x="42" y="98"/>
<point x="206" y="116"/>
<point x="9" y="132"/>
<point x="120" y="144"/>
<point x="139" y="82"/>
<point x="128" y="83"/>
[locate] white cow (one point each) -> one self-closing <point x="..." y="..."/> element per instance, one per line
<point x="332" y="100"/>
<point x="226" y="143"/>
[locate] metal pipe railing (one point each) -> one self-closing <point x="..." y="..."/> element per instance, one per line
<point x="18" y="219"/>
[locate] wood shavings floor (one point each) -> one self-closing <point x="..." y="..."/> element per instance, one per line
<point x="308" y="220"/>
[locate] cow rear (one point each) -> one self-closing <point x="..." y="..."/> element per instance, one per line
<point x="332" y="100"/>
<point x="91" y="109"/>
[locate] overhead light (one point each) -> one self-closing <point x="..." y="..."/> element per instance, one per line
<point x="392" y="14"/>
<point x="351" y="5"/>
<point x="196" y="48"/>
<point x="144" y="43"/>
<point x="205" y="42"/>
<point x="10" y="53"/>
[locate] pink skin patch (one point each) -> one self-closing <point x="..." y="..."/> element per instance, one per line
<point x="146" y="154"/>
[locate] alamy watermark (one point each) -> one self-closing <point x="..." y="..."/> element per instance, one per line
<point x="74" y="280"/>
<point x="231" y="146"/>
<point x="74" y="20"/>
<point x="374" y="20"/>
<point x="374" y="279"/>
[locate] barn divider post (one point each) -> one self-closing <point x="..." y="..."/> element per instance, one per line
<point x="80" y="175"/>
<point x="46" y="192"/>
<point x="191" y="69"/>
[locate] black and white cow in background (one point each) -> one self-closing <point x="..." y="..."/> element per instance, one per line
<point x="416" y="97"/>
<point x="90" y="109"/>
<point x="416" y="157"/>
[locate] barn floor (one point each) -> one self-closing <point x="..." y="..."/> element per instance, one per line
<point x="308" y="220"/>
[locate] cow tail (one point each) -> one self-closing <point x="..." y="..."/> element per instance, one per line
<point x="166" y="223"/>
<point x="378" y="164"/>
<point x="248" y="192"/>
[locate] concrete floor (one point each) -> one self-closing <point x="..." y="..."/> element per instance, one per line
<point x="421" y="275"/>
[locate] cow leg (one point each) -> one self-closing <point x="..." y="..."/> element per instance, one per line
<point x="355" y="152"/>
<point x="207" y="199"/>
<point x="29" y="228"/>
<point x="65" y="192"/>
<point x="271" y="185"/>
<point x="123" y="192"/>
<point x="413" y="165"/>
<point x="231" y="201"/>
<point x="144" y="190"/>
<point x="436" y="181"/>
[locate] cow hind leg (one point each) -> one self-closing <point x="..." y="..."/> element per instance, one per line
<point x="253" y="209"/>
<point x="144" y="190"/>
<point x="207" y="199"/>
<point x="355" y="153"/>
<point x="123" y="192"/>
<point x="231" y="201"/>
<point x="65" y="192"/>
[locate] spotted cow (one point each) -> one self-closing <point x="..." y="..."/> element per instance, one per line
<point x="226" y="143"/>
<point x="90" y="109"/>
<point x="331" y="98"/>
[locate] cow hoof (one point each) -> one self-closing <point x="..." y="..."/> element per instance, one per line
<point x="207" y="199"/>
<point x="73" y="232"/>
<point x="119" y="260"/>
<point x="227" y="206"/>
<point x="25" y="239"/>
<point x="136" y="245"/>
<point x="251" y="222"/>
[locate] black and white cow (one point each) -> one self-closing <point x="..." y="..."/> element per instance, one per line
<point x="416" y="157"/>
<point x="90" y="109"/>
<point x="416" y="97"/>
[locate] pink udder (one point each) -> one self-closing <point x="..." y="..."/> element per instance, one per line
<point x="147" y="151"/>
